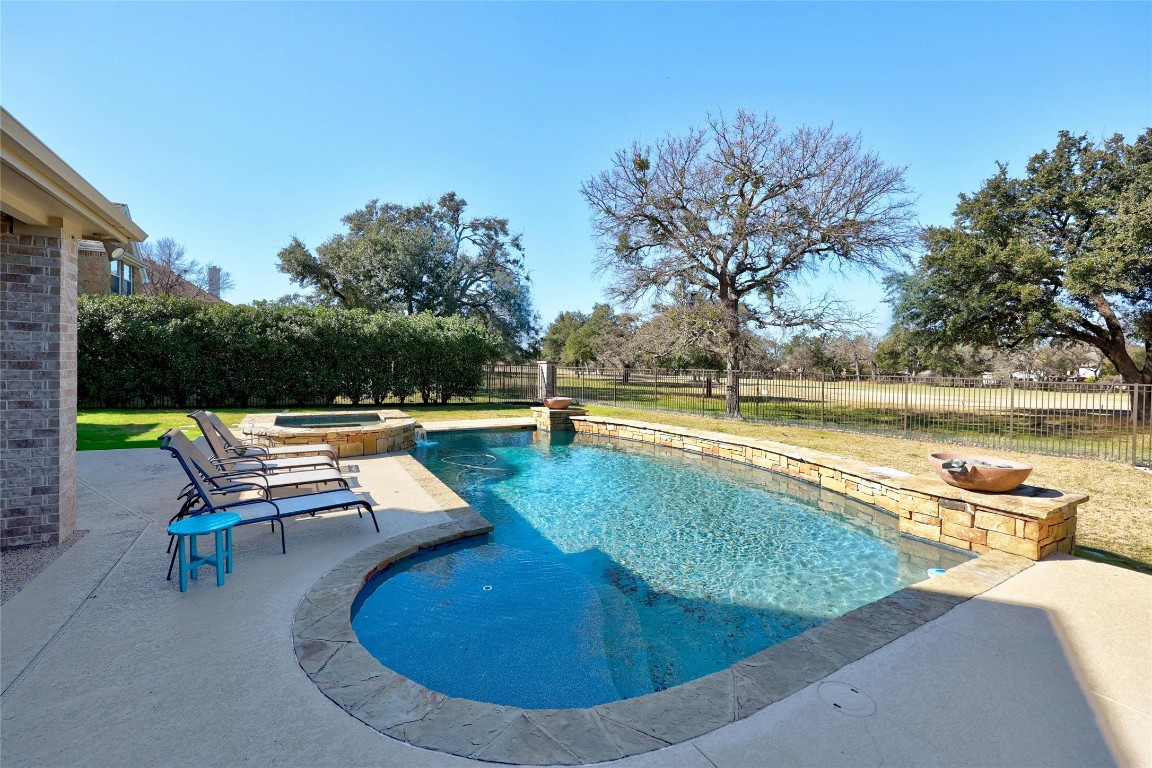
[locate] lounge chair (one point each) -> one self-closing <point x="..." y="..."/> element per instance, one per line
<point x="240" y="447"/>
<point x="206" y="495"/>
<point x="226" y="458"/>
<point x="222" y="480"/>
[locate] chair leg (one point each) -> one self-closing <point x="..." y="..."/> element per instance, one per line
<point x="283" y="546"/>
<point x="193" y="556"/>
<point x="219" y="556"/>
<point x="228" y="543"/>
<point x="185" y="508"/>
<point x="183" y="572"/>
<point x="173" y="560"/>
<point x="373" y="513"/>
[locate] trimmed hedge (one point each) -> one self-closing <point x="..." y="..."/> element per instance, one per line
<point x="162" y="351"/>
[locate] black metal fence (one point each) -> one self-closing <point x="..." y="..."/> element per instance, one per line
<point x="510" y="384"/>
<point x="1088" y="420"/>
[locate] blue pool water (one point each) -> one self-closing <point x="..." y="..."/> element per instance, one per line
<point x="617" y="569"/>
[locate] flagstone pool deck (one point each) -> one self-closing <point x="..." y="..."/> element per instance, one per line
<point x="103" y="662"/>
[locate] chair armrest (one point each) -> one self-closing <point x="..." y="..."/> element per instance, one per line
<point x="253" y="479"/>
<point x="245" y="502"/>
<point x="242" y="447"/>
<point x="222" y="463"/>
<point x="239" y="487"/>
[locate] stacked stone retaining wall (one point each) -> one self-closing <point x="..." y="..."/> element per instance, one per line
<point x="1030" y="522"/>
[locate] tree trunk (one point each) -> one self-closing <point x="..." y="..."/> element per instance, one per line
<point x="1116" y="350"/>
<point x="732" y="390"/>
<point x="731" y="307"/>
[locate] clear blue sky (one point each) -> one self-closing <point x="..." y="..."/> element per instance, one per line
<point x="233" y="126"/>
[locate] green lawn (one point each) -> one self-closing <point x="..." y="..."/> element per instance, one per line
<point x="114" y="428"/>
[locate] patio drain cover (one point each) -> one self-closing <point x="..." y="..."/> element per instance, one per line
<point x="844" y="698"/>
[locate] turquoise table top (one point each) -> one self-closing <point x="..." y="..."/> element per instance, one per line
<point x="198" y="524"/>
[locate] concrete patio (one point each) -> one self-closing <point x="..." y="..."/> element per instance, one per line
<point x="104" y="663"/>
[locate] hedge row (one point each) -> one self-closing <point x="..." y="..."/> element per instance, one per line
<point x="153" y="351"/>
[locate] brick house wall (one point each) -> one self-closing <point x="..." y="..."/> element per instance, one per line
<point x="38" y="277"/>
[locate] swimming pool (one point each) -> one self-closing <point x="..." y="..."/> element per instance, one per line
<point x="617" y="569"/>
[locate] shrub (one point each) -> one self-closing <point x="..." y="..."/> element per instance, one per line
<point x="149" y="351"/>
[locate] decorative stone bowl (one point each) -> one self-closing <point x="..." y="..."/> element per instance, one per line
<point x="558" y="403"/>
<point x="980" y="473"/>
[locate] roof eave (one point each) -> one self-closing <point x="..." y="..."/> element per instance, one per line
<point x="37" y="167"/>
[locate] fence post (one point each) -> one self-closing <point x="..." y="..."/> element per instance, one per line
<point x="1135" y="400"/>
<point x="1011" y="410"/>
<point x="907" y="393"/>
<point x="546" y="381"/>
<point x="822" y="377"/>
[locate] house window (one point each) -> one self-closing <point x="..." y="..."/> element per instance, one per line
<point x="122" y="278"/>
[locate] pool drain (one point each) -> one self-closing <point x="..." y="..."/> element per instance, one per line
<point x="846" y="699"/>
<point x="487" y="587"/>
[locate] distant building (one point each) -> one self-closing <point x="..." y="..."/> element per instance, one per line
<point x="1084" y="373"/>
<point x="118" y="269"/>
<point x="177" y="286"/>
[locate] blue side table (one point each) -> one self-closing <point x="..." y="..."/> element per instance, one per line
<point x="218" y="523"/>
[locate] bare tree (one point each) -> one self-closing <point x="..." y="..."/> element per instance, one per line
<point x="740" y="209"/>
<point x="171" y="271"/>
<point x="857" y="352"/>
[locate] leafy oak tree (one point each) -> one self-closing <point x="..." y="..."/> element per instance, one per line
<point x="1064" y="254"/>
<point x="576" y="338"/>
<point x="740" y="209"/>
<point x="423" y="258"/>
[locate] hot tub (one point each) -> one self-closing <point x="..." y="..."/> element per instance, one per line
<point x="351" y="433"/>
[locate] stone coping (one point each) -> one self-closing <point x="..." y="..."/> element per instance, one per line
<point x="264" y="424"/>
<point x="330" y="654"/>
<point x="1027" y="500"/>
<point x="465" y="425"/>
